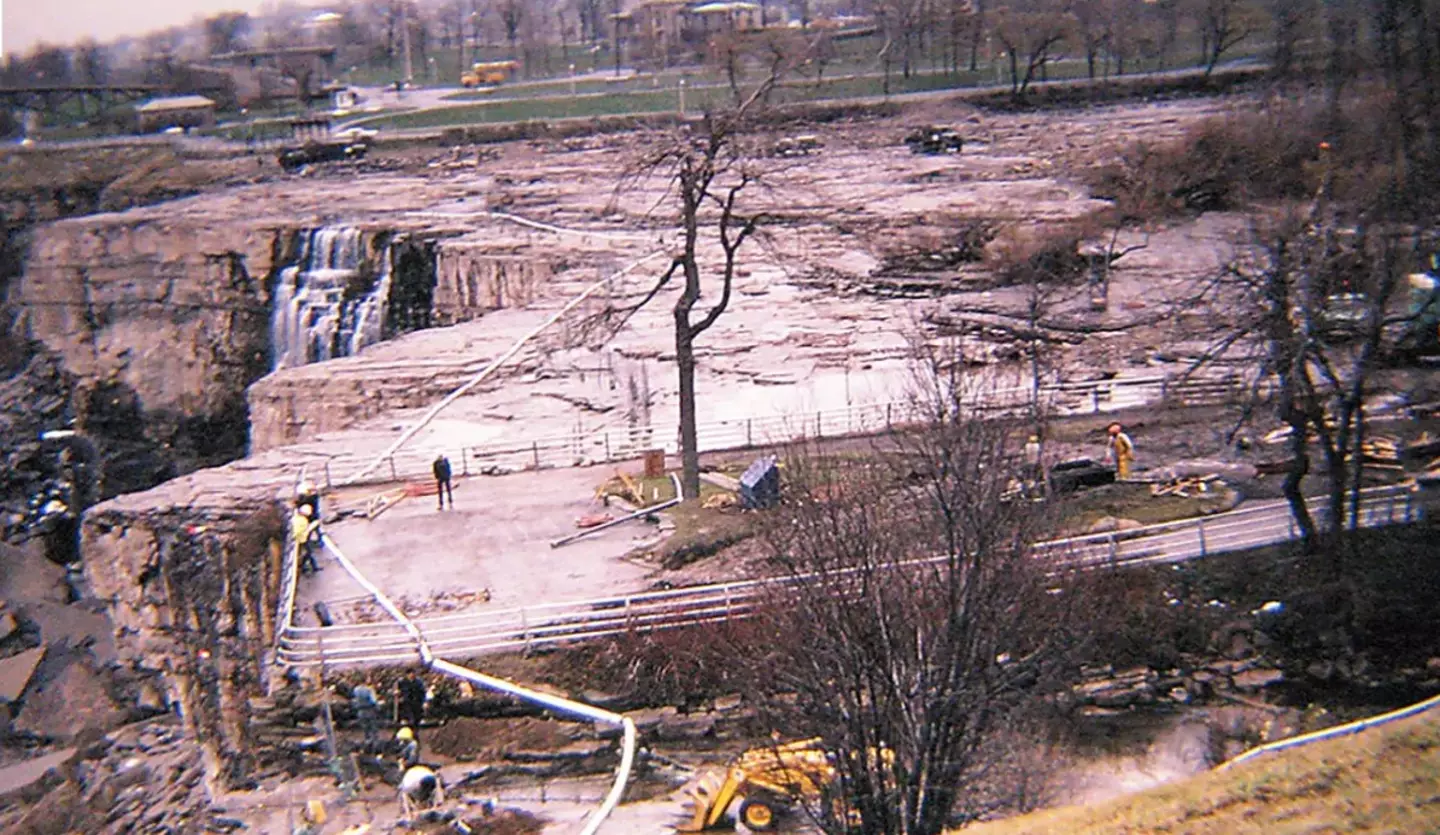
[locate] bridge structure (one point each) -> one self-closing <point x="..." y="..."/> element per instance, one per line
<point x="49" y="98"/>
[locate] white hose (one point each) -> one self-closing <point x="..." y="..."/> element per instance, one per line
<point x="556" y="703"/>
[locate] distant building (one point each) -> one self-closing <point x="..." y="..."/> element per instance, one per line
<point x="175" y="112"/>
<point x="715" y="18"/>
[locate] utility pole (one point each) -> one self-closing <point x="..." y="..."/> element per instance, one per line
<point x="615" y="26"/>
<point x="405" y="40"/>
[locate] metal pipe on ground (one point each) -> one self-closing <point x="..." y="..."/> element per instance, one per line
<point x="645" y="511"/>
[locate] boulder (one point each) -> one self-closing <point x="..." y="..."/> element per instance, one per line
<point x="686" y="726"/>
<point x="15" y="673"/>
<point x="16" y="778"/>
<point x="1257" y="679"/>
<point x="1108" y="524"/>
<point x="70" y="700"/>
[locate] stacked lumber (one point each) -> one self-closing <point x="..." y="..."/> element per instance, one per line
<point x="623" y="486"/>
<point x="1183" y="487"/>
<point x="1381" y="451"/>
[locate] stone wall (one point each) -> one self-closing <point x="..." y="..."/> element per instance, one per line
<point x="296" y="405"/>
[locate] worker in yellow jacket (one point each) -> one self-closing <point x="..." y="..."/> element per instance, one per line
<point x="305" y="533"/>
<point x="1121" y="450"/>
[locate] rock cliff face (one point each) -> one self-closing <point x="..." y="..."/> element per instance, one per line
<point x="474" y="281"/>
<point x="192" y="594"/>
<point x="165" y="319"/>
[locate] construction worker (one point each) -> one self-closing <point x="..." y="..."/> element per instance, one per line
<point x="441" y="468"/>
<point x="306" y="494"/>
<point x="411" y="700"/>
<point x="407" y="748"/>
<point x="367" y="715"/>
<point x="420" y="788"/>
<point x="1120" y="449"/>
<point x="305" y="531"/>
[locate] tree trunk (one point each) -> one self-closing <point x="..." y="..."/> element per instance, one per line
<point x="685" y="360"/>
<point x="1299" y="468"/>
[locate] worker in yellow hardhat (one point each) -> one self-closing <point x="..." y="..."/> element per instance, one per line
<point x="1121" y="449"/>
<point x="305" y="534"/>
<point x="408" y="748"/>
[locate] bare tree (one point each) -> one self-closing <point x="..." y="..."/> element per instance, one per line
<point x="1223" y="24"/>
<point x="903" y="23"/>
<point x="48" y="64"/>
<point x="91" y="63"/>
<point x="512" y="15"/>
<point x="1093" y="21"/>
<point x="913" y="617"/>
<point x="1309" y="306"/>
<point x="301" y="70"/>
<point x="1032" y="32"/>
<point x="1288" y="19"/>
<point x="708" y="169"/>
<point x="225" y="32"/>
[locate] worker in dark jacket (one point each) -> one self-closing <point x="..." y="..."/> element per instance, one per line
<point x="442" y="482"/>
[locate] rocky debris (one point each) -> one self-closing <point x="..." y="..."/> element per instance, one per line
<point x="1107" y="688"/>
<point x="1251" y="681"/>
<point x="467" y="739"/>
<point x="34" y="399"/>
<point x="141" y="778"/>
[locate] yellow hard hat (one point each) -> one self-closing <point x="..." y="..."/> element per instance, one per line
<point x="405" y="734"/>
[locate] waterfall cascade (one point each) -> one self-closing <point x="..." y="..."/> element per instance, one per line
<point x="324" y="305"/>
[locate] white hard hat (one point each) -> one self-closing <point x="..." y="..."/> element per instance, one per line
<point x="304" y="510"/>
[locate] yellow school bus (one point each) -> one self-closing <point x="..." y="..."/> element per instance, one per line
<point x="489" y="72"/>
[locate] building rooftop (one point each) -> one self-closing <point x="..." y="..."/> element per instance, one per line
<point x="175" y="103"/>
<point x="713" y="8"/>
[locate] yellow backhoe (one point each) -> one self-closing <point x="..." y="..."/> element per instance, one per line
<point x="759" y="784"/>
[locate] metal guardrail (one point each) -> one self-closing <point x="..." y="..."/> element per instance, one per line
<point x="624" y="443"/>
<point x="529" y="627"/>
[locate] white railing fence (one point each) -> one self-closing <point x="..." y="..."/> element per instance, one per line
<point x="531" y="627"/>
<point x="626" y="443"/>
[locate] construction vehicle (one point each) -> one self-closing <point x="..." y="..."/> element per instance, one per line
<point x="932" y="140"/>
<point x="760" y="784"/>
<point x="489" y="72"/>
<point x="1421" y="339"/>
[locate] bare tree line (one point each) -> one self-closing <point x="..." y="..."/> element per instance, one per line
<point x="1025" y="37"/>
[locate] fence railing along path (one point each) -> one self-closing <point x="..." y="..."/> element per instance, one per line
<point x="625" y="443"/>
<point x="548" y="624"/>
